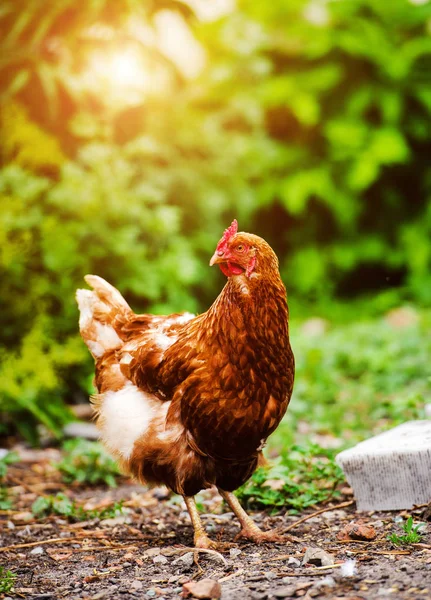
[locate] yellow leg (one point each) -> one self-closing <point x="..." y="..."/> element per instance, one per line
<point x="201" y="540"/>
<point x="249" y="529"/>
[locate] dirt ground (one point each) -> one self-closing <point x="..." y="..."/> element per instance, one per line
<point x="146" y="552"/>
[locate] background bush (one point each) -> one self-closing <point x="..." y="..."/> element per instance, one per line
<point x="310" y="123"/>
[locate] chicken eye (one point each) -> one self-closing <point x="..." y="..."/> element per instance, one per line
<point x="240" y="248"/>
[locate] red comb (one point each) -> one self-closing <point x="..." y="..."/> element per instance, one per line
<point x="228" y="233"/>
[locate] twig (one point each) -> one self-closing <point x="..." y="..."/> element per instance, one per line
<point x="384" y="552"/>
<point x="324" y="567"/>
<point x="239" y="572"/>
<point x="40" y="543"/>
<point x="317" y="512"/>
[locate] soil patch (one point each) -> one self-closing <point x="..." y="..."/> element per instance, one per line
<point x="146" y="552"/>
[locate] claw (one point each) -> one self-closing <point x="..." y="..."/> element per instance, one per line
<point x="204" y="542"/>
<point x="261" y="537"/>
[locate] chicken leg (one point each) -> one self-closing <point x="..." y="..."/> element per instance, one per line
<point x="249" y="529"/>
<point x="201" y="540"/>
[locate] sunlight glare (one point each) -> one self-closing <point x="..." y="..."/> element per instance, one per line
<point x="122" y="75"/>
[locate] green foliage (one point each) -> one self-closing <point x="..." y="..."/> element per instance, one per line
<point x="7" y="580"/>
<point x="302" y="477"/>
<point x="20" y="136"/>
<point x="411" y="534"/>
<point x="5" y="461"/>
<point x="63" y="506"/>
<point x="87" y="463"/>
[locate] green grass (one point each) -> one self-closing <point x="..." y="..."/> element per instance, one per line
<point x="7" y="580"/>
<point x="63" y="506"/>
<point x="301" y="477"/>
<point x="411" y="534"/>
<point x="87" y="463"/>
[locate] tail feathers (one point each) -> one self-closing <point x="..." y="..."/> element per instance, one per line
<point x="106" y="292"/>
<point x="98" y="309"/>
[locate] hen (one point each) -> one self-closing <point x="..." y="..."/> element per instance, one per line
<point x="189" y="401"/>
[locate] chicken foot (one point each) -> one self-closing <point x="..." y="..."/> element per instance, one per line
<point x="201" y="540"/>
<point x="249" y="529"/>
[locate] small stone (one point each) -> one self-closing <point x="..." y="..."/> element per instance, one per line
<point x="22" y="517"/>
<point x="357" y="531"/>
<point x="152" y="552"/>
<point x="37" y="550"/>
<point x="203" y="589"/>
<point x="234" y="552"/>
<point x="136" y="585"/>
<point x="317" y="556"/>
<point x="293" y="561"/>
<point x="185" y="561"/>
<point x="112" y="522"/>
<point x="284" y="592"/>
<point x="160" y="560"/>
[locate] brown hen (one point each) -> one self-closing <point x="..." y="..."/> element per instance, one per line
<point x="189" y="401"/>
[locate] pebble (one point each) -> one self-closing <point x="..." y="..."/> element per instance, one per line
<point x="136" y="585"/>
<point x="284" y="592"/>
<point x="37" y="550"/>
<point x="357" y="531"/>
<point x="160" y="560"/>
<point x="205" y="588"/>
<point x="152" y="552"/>
<point x="234" y="552"/>
<point x="186" y="561"/>
<point x="317" y="556"/>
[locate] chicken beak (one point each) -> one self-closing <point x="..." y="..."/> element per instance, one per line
<point x="217" y="258"/>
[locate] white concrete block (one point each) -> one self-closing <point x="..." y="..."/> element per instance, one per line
<point x="392" y="470"/>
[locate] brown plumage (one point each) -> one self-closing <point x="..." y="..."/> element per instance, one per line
<point x="190" y="401"/>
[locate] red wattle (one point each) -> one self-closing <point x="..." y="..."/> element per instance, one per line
<point x="230" y="269"/>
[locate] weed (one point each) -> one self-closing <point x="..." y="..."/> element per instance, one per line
<point x="64" y="506"/>
<point x="302" y="477"/>
<point x="7" y="580"/>
<point x="5" y="461"/>
<point x="411" y="534"/>
<point x="87" y="462"/>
